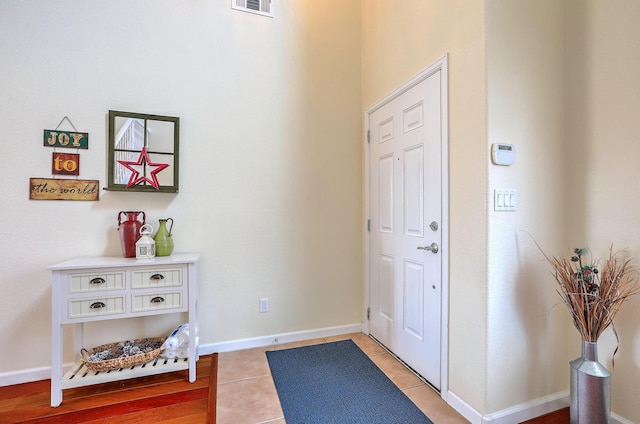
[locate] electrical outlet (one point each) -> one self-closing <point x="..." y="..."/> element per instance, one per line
<point x="264" y="305"/>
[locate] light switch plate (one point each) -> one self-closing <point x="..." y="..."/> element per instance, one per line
<point x="505" y="200"/>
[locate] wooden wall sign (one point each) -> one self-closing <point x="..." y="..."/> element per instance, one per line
<point x="72" y="140"/>
<point x="65" y="164"/>
<point x="63" y="189"/>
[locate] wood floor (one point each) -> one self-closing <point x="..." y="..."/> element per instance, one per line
<point x="558" y="417"/>
<point x="161" y="399"/>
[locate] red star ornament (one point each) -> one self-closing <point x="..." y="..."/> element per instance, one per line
<point x="143" y="162"/>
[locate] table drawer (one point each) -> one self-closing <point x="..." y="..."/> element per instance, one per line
<point x="157" y="301"/>
<point x="97" y="306"/>
<point x="156" y="278"/>
<point x="79" y="283"/>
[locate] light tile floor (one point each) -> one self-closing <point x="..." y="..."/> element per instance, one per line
<point x="247" y="394"/>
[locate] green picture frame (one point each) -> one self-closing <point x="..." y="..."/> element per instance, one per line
<point x="143" y="152"/>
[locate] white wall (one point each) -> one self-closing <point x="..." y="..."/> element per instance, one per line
<point x="400" y="39"/>
<point x="557" y="79"/>
<point x="270" y="177"/>
<point x="271" y="174"/>
<point x="527" y="325"/>
<point x="562" y="87"/>
<point x="603" y="172"/>
<point x="562" y="78"/>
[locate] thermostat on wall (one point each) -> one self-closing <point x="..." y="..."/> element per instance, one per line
<point x="503" y="154"/>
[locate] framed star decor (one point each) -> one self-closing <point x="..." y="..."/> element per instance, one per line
<point x="143" y="152"/>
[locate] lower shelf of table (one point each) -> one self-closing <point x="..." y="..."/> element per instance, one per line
<point x="79" y="375"/>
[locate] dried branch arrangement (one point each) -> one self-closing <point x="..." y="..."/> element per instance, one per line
<point x="594" y="295"/>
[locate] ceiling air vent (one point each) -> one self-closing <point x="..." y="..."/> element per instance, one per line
<point x="261" y="7"/>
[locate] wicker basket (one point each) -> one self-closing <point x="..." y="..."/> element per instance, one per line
<point x="123" y="361"/>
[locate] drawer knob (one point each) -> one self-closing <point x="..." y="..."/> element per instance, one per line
<point x="97" y="305"/>
<point x="157" y="277"/>
<point x="157" y="299"/>
<point x="97" y="280"/>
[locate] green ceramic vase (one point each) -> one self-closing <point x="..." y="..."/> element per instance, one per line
<point x="164" y="238"/>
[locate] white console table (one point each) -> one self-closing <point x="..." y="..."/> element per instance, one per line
<point x="102" y="288"/>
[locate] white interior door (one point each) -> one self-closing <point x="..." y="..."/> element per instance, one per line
<point x="406" y="224"/>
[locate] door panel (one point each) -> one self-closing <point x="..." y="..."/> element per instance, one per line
<point x="413" y="191"/>
<point x="386" y="286"/>
<point x="413" y="117"/>
<point x="413" y="303"/>
<point x="386" y="194"/>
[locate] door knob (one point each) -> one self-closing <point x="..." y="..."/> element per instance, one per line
<point x="433" y="248"/>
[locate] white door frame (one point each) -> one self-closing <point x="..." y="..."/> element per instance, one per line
<point x="440" y="65"/>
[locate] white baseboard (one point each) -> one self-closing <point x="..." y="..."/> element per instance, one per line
<point x="617" y="419"/>
<point x="281" y="338"/>
<point x="519" y="413"/>
<point x="463" y="408"/>
<point x="528" y="410"/>
<point x="24" y="376"/>
<point x="44" y="373"/>
<point x="514" y="414"/>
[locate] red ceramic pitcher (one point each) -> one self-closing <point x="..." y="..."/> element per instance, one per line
<point x="129" y="230"/>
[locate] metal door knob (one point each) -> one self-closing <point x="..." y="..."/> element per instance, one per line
<point x="433" y="248"/>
